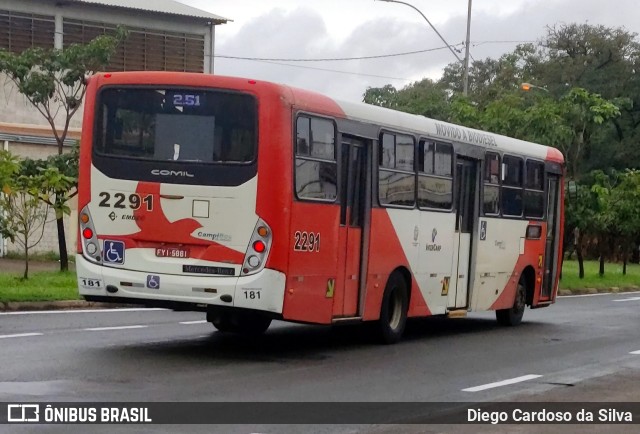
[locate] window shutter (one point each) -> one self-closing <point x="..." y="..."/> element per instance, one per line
<point x="144" y="49"/>
<point x="19" y="31"/>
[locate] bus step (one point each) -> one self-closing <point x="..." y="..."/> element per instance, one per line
<point x="347" y="320"/>
<point x="460" y="313"/>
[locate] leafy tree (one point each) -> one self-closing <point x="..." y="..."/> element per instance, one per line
<point x="385" y="96"/>
<point x="63" y="184"/>
<point x="603" y="219"/>
<point x="54" y="82"/>
<point x="584" y="112"/>
<point x="604" y="61"/>
<point x="490" y="79"/>
<point x="425" y="97"/>
<point x="9" y="166"/>
<point x="580" y="211"/>
<point x="625" y="203"/>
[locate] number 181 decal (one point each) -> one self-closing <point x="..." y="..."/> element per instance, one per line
<point x="307" y="242"/>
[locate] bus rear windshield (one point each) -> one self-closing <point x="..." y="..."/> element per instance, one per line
<point x="184" y="125"/>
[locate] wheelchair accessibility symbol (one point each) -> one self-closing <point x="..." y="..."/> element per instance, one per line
<point x="113" y="252"/>
<point x="153" y="281"/>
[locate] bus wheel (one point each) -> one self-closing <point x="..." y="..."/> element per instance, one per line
<point x="393" y="314"/>
<point x="513" y="315"/>
<point x="246" y="322"/>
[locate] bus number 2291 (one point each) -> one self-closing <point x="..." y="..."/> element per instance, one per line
<point x="135" y="201"/>
<point x="306" y="242"/>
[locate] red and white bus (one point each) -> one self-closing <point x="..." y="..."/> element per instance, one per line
<point x="254" y="201"/>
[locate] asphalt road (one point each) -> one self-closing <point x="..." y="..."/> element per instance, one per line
<point x="158" y="355"/>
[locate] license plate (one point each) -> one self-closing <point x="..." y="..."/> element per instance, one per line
<point x="172" y="252"/>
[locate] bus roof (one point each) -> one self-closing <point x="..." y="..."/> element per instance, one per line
<point x="434" y="129"/>
<point x="359" y="111"/>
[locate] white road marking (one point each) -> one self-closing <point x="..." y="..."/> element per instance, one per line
<point x="100" y="329"/>
<point x="628" y="299"/>
<point x="20" y="335"/>
<point x="193" y="322"/>
<point x="635" y="352"/>
<point x="115" y="310"/>
<point x="501" y="383"/>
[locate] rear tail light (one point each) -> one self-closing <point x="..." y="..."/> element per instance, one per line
<point x="90" y="244"/>
<point x="259" y="246"/>
<point x="256" y="256"/>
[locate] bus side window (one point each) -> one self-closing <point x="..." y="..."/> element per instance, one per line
<point x="512" y="200"/>
<point x="396" y="172"/>
<point x="435" y="175"/>
<point x="534" y="190"/>
<point x="316" y="172"/>
<point x="491" y="191"/>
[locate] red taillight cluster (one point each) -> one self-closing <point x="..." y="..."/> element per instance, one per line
<point x="258" y="249"/>
<point x="90" y="243"/>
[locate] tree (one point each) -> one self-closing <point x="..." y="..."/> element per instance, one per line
<point x="54" y="82"/>
<point x="425" y="97"/>
<point x="584" y="112"/>
<point x="625" y="203"/>
<point x="603" y="61"/>
<point x="580" y="211"/>
<point x="23" y="214"/>
<point x="385" y="96"/>
<point x="490" y="79"/>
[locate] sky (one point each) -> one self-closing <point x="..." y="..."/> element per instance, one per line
<point x="329" y="29"/>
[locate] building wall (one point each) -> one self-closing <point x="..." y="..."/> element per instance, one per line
<point x="15" y="108"/>
<point x="148" y="31"/>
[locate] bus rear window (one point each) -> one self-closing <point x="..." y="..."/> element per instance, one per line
<point x="184" y="125"/>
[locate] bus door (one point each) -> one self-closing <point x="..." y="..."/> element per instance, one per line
<point x="352" y="217"/>
<point x="466" y="182"/>
<point x="553" y="237"/>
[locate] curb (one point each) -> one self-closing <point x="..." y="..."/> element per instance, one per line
<point x="592" y="291"/>
<point x="24" y="306"/>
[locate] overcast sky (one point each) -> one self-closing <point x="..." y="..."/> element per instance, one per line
<point x="311" y="29"/>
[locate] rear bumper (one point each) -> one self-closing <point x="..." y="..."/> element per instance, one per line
<point x="263" y="291"/>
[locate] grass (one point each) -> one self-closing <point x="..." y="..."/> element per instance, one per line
<point x="612" y="276"/>
<point x="41" y="286"/>
<point x="55" y="285"/>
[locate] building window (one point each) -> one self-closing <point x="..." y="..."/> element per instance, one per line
<point x="534" y="190"/>
<point x="143" y="49"/>
<point x="512" y="180"/>
<point x="316" y="167"/>
<point x="491" y="191"/>
<point x="435" y="175"/>
<point x="396" y="174"/>
<point x="19" y="31"/>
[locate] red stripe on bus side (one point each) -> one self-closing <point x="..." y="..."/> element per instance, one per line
<point x="385" y="255"/>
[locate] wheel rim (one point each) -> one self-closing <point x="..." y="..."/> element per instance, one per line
<point x="395" y="309"/>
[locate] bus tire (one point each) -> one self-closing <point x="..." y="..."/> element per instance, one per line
<point x="513" y="315"/>
<point x="247" y="323"/>
<point x="393" y="312"/>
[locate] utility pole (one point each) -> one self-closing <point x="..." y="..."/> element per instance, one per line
<point x="466" y="53"/>
<point x="466" y="57"/>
